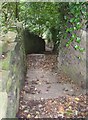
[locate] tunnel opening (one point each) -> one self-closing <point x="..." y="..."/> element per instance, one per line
<point x="34" y="44"/>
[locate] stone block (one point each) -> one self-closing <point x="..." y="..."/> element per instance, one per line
<point x="6" y="62"/>
<point x="3" y="104"/>
<point x="0" y="80"/>
<point x="4" y="77"/>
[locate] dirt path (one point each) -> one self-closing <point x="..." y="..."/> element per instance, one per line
<point x="48" y="93"/>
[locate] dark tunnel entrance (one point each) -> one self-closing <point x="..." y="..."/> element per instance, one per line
<point x="35" y="44"/>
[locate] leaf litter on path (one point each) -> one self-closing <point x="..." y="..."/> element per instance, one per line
<point x="68" y="106"/>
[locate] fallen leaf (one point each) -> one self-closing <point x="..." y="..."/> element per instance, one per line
<point x="37" y="112"/>
<point x="36" y="116"/>
<point x="76" y="112"/>
<point x="26" y="111"/>
<point x="28" y="116"/>
<point x="60" y="109"/>
<point x="70" y="107"/>
<point x="69" y="112"/>
<point x="61" y="115"/>
<point x="77" y="99"/>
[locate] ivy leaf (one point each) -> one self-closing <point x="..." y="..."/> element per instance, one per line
<point x="71" y="29"/>
<point x="78" y="40"/>
<point x="76" y="47"/>
<point x="72" y="20"/>
<point x="73" y="36"/>
<point x="76" y="20"/>
<point x="68" y="30"/>
<point x="67" y="45"/>
<point x="78" y="26"/>
<point x="74" y="28"/>
<point x="81" y="49"/>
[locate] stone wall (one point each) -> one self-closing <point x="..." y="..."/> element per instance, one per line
<point x="12" y="73"/>
<point x="73" y="62"/>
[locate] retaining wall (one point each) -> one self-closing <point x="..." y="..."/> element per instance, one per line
<point x="73" y="62"/>
<point x="12" y="73"/>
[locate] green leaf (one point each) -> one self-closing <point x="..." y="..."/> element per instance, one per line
<point x="73" y="36"/>
<point x="68" y="30"/>
<point x="78" y="40"/>
<point x="78" y="26"/>
<point x="67" y="45"/>
<point x="71" y="29"/>
<point x="74" y="28"/>
<point x="72" y="20"/>
<point x="69" y="112"/>
<point x="76" y="47"/>
<point x="81" y="49"/>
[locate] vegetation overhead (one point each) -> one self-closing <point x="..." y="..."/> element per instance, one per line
<point x="55" y="20"/>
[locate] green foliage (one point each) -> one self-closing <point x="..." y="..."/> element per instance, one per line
<point x="43" y="18"/>
<point x="9" y="15"/>
<point x="78" y="40"/>
<point x="39" y="16"/>
<point x="76" y="14"/>
<point x="79" y="48"/>
<point x="56" y="20"/>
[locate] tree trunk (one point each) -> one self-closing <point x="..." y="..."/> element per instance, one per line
<point x="17" y="13"/>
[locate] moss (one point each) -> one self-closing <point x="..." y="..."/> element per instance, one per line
<point x="5" y="47"/>
<point x="6" y="62"/>
<point x="5" y="65"/>
<point x="9" y="82"/>
<point x="14" y="68"/>
<point x="0" y="49"/>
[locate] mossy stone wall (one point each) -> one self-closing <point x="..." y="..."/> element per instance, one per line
<point x="12" y="74"/>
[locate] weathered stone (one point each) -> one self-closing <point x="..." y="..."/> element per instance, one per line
<point x="10" y="37"/>
<point x="5" y="47"/>
<point x="73" y="62"/>
<point x="0" y="48"/>
<point x="5" y="76"/>
<point x="8" y="85"/>
<point x="6" y="62"/>
<point x="3" y="104"/>
<point x="0" y="80"/>
<point x="13" y="67"/>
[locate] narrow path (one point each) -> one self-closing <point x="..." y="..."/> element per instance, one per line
<point x="48" y="93"/>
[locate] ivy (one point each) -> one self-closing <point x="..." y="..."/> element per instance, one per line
<point x="77" y="13"/>
<point x="79" y="48"/>
<point x="78" y="40"/>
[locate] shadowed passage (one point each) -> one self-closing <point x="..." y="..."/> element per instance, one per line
<point x="33" y="43"/>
